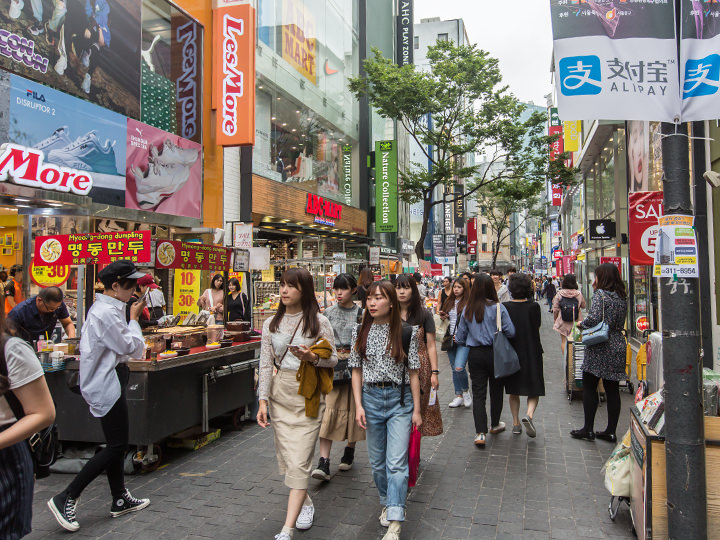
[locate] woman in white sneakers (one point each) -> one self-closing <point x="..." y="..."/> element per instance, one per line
<point x="457" y="354"/>
<point x="286" y="342"/>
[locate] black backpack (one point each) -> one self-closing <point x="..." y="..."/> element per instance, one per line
<point x="43" y="445"/>
<point x="569" y="309"/>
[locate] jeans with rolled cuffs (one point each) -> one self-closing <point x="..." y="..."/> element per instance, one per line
<point x="388" y="436"/>
<point x="458" y="357"/>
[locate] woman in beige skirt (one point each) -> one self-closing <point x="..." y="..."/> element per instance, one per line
<point x="286" y="341"/>
<point x="338" y="422"/>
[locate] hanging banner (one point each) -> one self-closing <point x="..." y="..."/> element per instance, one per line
<point x="93" y="248"/>
<point x="645" y="210"/>
<point x="404" y="32"/>
<point x="346" y="179"/>
<point x="386" y="186"/>
<point x="459" y="206"/>
<point x="616" y="59"/>
<point x="700" y="62"/>
<point x="557" y="194"/>
<point x="676" y="253"/>
<point x="571" y="135"/>
<point x="186" y="291"/>
<point x="555" y="127"/>
<point x="438" y="246"/>
<point x="242" y="235"/>
<point x="472" y="236"/>
<point x="299" y="41"/>
<point x="192" y="256"/>
<point x="617" y="261"/>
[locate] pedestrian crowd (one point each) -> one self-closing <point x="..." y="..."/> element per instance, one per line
<point x="364" y="369"/>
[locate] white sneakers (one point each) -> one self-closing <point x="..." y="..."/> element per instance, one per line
<point x="305" y="519"/>
<point x="467" y="399"/>
<point x="498" y="429"/>
<point x="60" y="138"/>
<point x="172" y="154"/>
<point x="480" y="439"/>
<point x="393" y="531"/>
<point x="168" y="170"/>
<point x="383" y="518"/>
<point x="16" y="7"/>
<point x="456" y="402"/>
<point x="87" y="153"/>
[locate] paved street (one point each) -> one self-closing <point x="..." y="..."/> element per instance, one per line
<point x="549" y="487"/>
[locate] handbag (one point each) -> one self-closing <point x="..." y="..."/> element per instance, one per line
<point x="599" y="333"/>
<point x="448" y="340"/>
<point x="342" y="373"/>
<point x="505" y="358"/>
<point x="414" y="456"/>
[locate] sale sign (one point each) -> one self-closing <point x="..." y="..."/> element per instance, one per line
<point x="186" y="291"/>
<point x="92" y="248"/>
<point x="645" y="210"/>
<point x="49" y="276"/>
<point x="191" y="256"/>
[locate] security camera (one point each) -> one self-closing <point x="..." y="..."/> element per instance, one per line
<point x="713" y="178"/>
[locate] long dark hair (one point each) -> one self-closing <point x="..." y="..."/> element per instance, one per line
<point x="214" y="279"/>
<point x="608" y="279"/>
<point x="482" y="294"/>
<point x="302" y="280"/>
<point x="395" y="347"/>
<point x="365" y="278"/>
<point x="569" y="282"/>
<point x="450" y="300"/>
<point x="415" y="310"/>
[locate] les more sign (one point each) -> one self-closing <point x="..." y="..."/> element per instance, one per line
<point x="26" y="167"/>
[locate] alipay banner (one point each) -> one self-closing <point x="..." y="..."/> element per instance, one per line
<point x="699" y="52"/>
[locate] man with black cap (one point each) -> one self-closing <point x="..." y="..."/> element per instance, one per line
<point x="107" y="342"/>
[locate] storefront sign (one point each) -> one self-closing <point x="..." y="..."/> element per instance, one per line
<point x="234" y="74"/>
<point x="676" y="253"/>
<point x="326" y="212"/>
<point x="459" y="206"/>
<point x="571" y="135"/>
<point x="49" y="276"/>
<point x="438" y="245"/>
<point x="25" y="167"/>
<point x="557" y="253"/>
<point x="557" y="194"/>
<point x="601" y="229"/>
<point x="346" y="180"/>
<point x="646" y="208"/>
<point x="617" y="261"/>
<point x="269" y="274"/>
<point x="642" y="323"/>
<point x="192" y="256"/>
<point x="386" y="186"/>
<point x="241" y="260"/>
<point x="186" y="71"/>
<point x="243" y="235"/>
<point x="93" y="248"/>
<point x="299" y="39"/>
<point x="374" y="256"/>
<point x="472" y="236"/>
<point x="186" y="292"/>
<point x="404" y="33"/>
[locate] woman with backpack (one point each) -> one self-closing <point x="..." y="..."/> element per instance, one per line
<point x="286" y="342"/>
<point x="385" y="363"/>
<point x="567" y="308"/>
<point x="22" y="383"/>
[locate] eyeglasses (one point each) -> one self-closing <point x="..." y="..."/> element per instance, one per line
<point x="47" y="308"/>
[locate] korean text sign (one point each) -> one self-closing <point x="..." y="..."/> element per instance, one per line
<point x="191" y="256"/>
<point x="646" y="208"/>
<point x="92" y="248"/>
<point x="676" y="253"/>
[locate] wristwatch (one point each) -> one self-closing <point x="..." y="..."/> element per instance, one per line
<point x="435" y="371"/>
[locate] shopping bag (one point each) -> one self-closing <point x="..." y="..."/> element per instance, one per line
<point x="618" y="472"/>
<point x="414" y="456"/>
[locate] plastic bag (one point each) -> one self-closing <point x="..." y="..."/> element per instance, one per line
<point x="618" y="469"/>
<point x="414" y="456"/>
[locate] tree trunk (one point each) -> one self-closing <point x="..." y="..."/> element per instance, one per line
<point x="496" y="251"/>
<point x="420" y="245"/>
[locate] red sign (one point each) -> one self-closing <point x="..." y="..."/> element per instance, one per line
<point x="472" y="236"/>
<point x="642" y="323"/>
<point x="568" y="265"/>
<point x="557" y="147"/>
<point x="646" y="208"/>
<point x="191" y="256"/>
<point x="558" y="253"/>
<point x="557" y="195"/>
<point x="617" y="261"/>
<point x="234" y="74"/>
<point x="92" y="248"/>
<point x="324" y="210"/>
<point x="25" y="167"/>
<point x="436" y="269"/>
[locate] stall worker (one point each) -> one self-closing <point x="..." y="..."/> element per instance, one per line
<point x="36" y="317"/>
<point x="237" y="302"/>
<point x="154" y="299"/>
<point x="13" y="288"/>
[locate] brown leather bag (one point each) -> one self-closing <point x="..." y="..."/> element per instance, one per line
<point x="432" y="424"/>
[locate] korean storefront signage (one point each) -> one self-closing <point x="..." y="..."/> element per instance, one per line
<point x="49" y="276"/>
<point x="243" y="235"/>
<point x="186" y="291"/>
<point x="346" y="178"/>
<point x="374" y="256"/>
<point x="234" y="74"/>
<point x="472" y="236"/>
<point x="646" y="208"/>
<point x="571" y="135"/>
<point x="404" y="32"/>
<point x="325" y="211"/>
<point x="386" y="186"/>
<point x="617" y="261"/>
<point x="192" y="256"/>
<point x="556" y="191"/>
<point x="299" y="39"/>
<point x="601" y="229"/>
<point x="93" y="248"/>
<point x="459" y="206"/>
<point x="676" y="253"/>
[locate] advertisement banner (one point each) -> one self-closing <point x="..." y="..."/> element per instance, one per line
<point x="93" y="248"/>
<point x="90" y="52"/>
<point x="49" y="276"/>
<point x="346" y="177"/>
<point x="299" y="39"/>
<point x="438" y="245"/>
<point x="234" y="74"/>
<point x="187" y="72"/>
<point x="472" y="236"/>
<point x="374" y="256"/>
<point x="386" y="186"/>
<point x="191" y="256"/>
<point x="676" y="253"/>
<point x="571" y="135"/>
<point x="557" y="194"/>
<point x="450" y="246"/>
<point x="186" y="291"/>
<point x="617" y="261"/>
<point x="459" y="206"/>
<point x="243" y="235"/>
<point x="645" y="210"/>
<point x="163" y="172"/>
<point x="404" y="33"/>
<point x="699" y="60"/>
<point x="601" y="229"/>
<point x="616" y="60"/>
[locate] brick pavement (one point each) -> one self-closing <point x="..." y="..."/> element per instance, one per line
<point x="516" y="488"/>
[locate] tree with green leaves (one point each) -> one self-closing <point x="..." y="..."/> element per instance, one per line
<point x="471" y="112"/>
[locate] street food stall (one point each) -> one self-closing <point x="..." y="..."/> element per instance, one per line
<point x="192" y="370"/>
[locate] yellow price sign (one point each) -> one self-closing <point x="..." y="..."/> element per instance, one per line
<point x="49" y="276"/>
<point x="186" y="291"/>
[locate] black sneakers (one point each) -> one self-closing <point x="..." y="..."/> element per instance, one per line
<point x="63" y="508"/>
<point x="126" y="503"/>
<point x="346" y="462"/>
<point x="322" y="472"/>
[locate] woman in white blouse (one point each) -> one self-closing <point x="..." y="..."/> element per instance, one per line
<point x="384" y="365"/>
<point x="286" y="341"/>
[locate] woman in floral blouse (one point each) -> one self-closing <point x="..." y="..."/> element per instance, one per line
<point x="386" y="388"/>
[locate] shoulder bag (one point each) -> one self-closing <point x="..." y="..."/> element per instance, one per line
<point x="342" y="373"/>
<point x="448" y="341"/>
<point x="504" y="356"/>
<point x="599" y="333"/>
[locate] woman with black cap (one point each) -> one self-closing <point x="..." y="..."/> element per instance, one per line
<point x="107" y="342"/>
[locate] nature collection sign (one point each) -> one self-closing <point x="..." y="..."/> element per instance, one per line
<point x="386" y="186"/>
<point x="346" y="177"/>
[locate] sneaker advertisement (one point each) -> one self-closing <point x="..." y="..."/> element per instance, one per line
<point x="88" y="49"/>
<point x="163" y="172"/>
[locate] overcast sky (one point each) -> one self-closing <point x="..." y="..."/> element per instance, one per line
<point x="519" y="34"/>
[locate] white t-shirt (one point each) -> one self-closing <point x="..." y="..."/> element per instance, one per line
<point x="23" y="368"/>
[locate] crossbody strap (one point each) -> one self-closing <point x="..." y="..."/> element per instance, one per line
<point x="498" y="317"/>
<point x="278" y="364"/>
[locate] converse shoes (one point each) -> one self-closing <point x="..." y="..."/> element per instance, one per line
<point x="87" y="153"/>
<point x="172" y="154"/>
<point x="60" y="138"/>
<point x="16" y="7"/>
<point x="322" y="472"/>
<point x="126" y="503"/>
<point x="480" y="439"/>
<point x="63" y="507"/>
<point x="498" y="429"/>
<point x="383" y="518"/>
<point x="305" y="519"/>
<point x="346" y="462"/>
<point x="158" y="183"/>
<point x="467" y="399"/>
<point x="456" y="402"/>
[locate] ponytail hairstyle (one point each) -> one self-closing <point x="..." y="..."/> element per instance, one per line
<point x="302" y="280"/>
<point x="395" y="344"/>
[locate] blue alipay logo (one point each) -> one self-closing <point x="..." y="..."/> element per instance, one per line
<point x="702" y="77"/>
<point x="580" y="76"/>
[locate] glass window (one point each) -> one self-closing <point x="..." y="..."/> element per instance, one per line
<point x="442" y="37"/>
<point x="484" y="246"/>
<point x="416" y="42"/>
<point x="484" y="228"/>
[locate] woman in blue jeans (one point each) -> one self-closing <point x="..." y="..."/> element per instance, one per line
<point x="458" y="354"/>
<point x="386" y="389"/>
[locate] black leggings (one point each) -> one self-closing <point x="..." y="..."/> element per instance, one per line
<point x="590" y="401"/>
<point x="110" y="459"/>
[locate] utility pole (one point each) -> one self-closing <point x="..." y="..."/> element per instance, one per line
<point x="682" y="362"/>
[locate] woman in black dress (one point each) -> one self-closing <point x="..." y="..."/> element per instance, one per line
<point x="529" y="381"/>
<point x="237" y="302"/>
